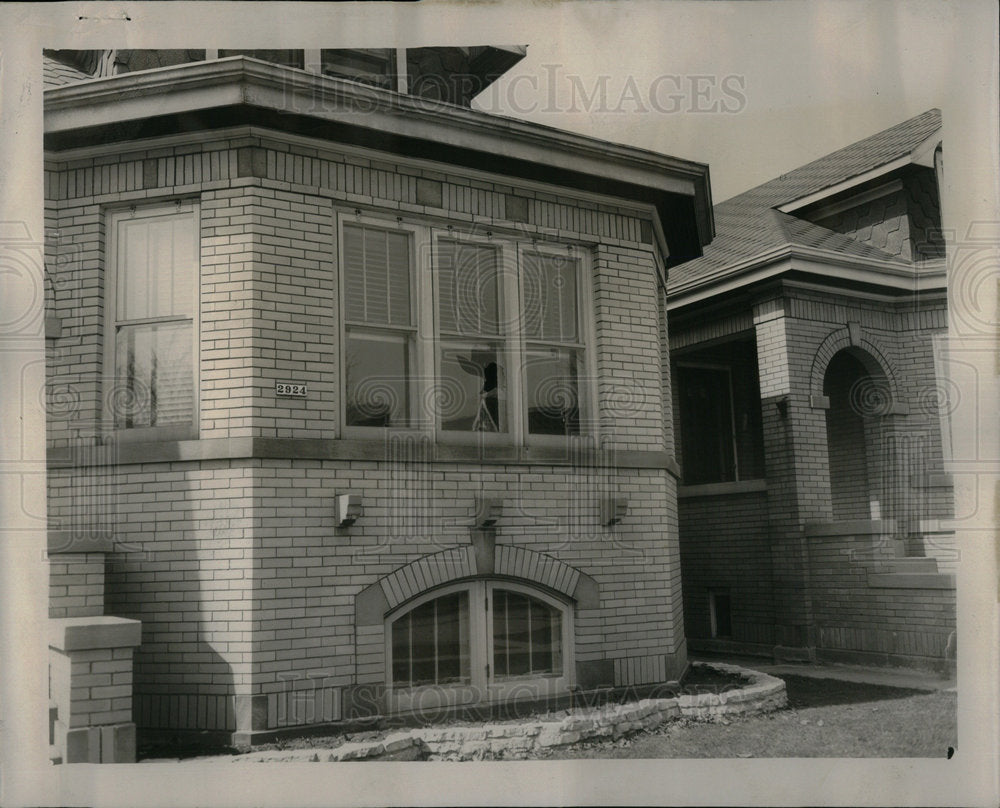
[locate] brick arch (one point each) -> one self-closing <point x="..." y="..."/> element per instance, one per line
<point x="437" y="569"/>
<point x="869" y="353"/>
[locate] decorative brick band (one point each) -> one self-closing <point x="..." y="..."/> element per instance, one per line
<point x="639" y="670"/>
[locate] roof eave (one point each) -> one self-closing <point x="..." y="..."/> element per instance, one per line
<point x="922" y="154"/>
<point x="242" y="80"/>
<point x="896" y="277"/>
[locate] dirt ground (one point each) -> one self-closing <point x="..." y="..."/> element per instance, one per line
<point x="825" y="718"/>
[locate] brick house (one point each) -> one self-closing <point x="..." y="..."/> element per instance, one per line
<point x="358" y="398"/>
<point x="811" y="413"/>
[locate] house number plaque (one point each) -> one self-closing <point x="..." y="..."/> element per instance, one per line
<point x="290" y="390"/>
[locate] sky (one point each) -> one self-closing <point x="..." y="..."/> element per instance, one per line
<point x="754" y="89"/>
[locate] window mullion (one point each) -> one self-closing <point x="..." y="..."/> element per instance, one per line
<point x="437" y="647"/>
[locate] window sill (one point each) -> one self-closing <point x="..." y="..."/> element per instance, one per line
<point x="911" y="580"/>
<point x="167" y="451"/>
<point x="721" y="489"/>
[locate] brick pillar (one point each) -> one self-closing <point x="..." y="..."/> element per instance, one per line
<point x="794" y="457"/>
<point x="90" y="660"/>
<point x="76" y="573"/>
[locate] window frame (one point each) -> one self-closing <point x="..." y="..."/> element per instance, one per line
<point x="112" y="217"/>
<point x="587" y="376"/>
<point x="426" y="371"/>
<point x="484" y="687"/>
<point x="507" y="302"/>
<point x="418" y="238"/>
<point x="734" y="447"/>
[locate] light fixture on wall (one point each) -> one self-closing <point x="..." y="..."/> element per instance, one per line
<point x="347" y="509"/>
<point x="613" y="510"/>
<point x="488" y="511"/>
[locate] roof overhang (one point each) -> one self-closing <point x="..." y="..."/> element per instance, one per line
<point x="921" y="155"/>
<point x="830" y="269"/>
<point x="241" y="90"/>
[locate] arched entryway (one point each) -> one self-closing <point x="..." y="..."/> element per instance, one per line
<point x="859" y="397"/>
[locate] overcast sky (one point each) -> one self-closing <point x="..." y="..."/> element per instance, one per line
<point x="754" y="89"/>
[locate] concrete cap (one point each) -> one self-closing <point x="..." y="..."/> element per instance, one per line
<point x="86" y="633"/>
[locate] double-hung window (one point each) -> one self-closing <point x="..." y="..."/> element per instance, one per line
<point x="473" y="356"/>
<point x="466" y="337"/>
<point x="553" y="350"/>
<point x="151" y="353"/>
<point x="380" y="326"/>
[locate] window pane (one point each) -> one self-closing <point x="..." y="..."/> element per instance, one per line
<point x="552" y="391"/>
<point x="546" y="636"/>
<point x="471" y="393"/>
<point x="376" y="276"/>
<point x="154" y="383"/>
<point x="422" y="655"/>
<point x="706" y="425"/>
<point x="369" y="65"/>
<point x="468" y="289"/>
<point x="378" y="374"/>
<point x="550" y="298"/>
<point x="527" y="635"/>
<point x="452" y="638"/>
<point x="401" y="650"/>
<point x="430" y="644"/>
<point x="157" y="262"/>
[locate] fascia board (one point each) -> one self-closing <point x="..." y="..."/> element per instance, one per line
<point x="897" y="276"/>
<point x="922" y="154"/>
<point x="242" y="80"/>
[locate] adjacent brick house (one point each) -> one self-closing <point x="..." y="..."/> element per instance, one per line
<point x="811" y="413"/>
<point x="358" y="398"/>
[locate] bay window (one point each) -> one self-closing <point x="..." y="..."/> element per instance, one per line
<point x="152" y="331"/>
<point x="473" y="337"/>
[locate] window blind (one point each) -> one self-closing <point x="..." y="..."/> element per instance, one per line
<point x="377" y="276"/>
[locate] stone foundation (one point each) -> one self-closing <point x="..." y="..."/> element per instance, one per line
<point x="517" y="740"/>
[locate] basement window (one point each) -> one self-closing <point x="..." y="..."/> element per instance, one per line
<point x="719" y="614"/>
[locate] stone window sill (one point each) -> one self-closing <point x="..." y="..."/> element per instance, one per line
<point x="721" y="489"/>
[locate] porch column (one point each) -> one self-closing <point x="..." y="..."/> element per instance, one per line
<point x="798" y="487"/>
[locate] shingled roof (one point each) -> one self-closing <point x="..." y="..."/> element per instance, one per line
<point x="750" y="226"/>
<point x="56" y="73"/>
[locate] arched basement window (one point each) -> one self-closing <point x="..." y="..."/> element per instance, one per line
<point x="430" y="643"/>
<point x="478" y="641"/>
